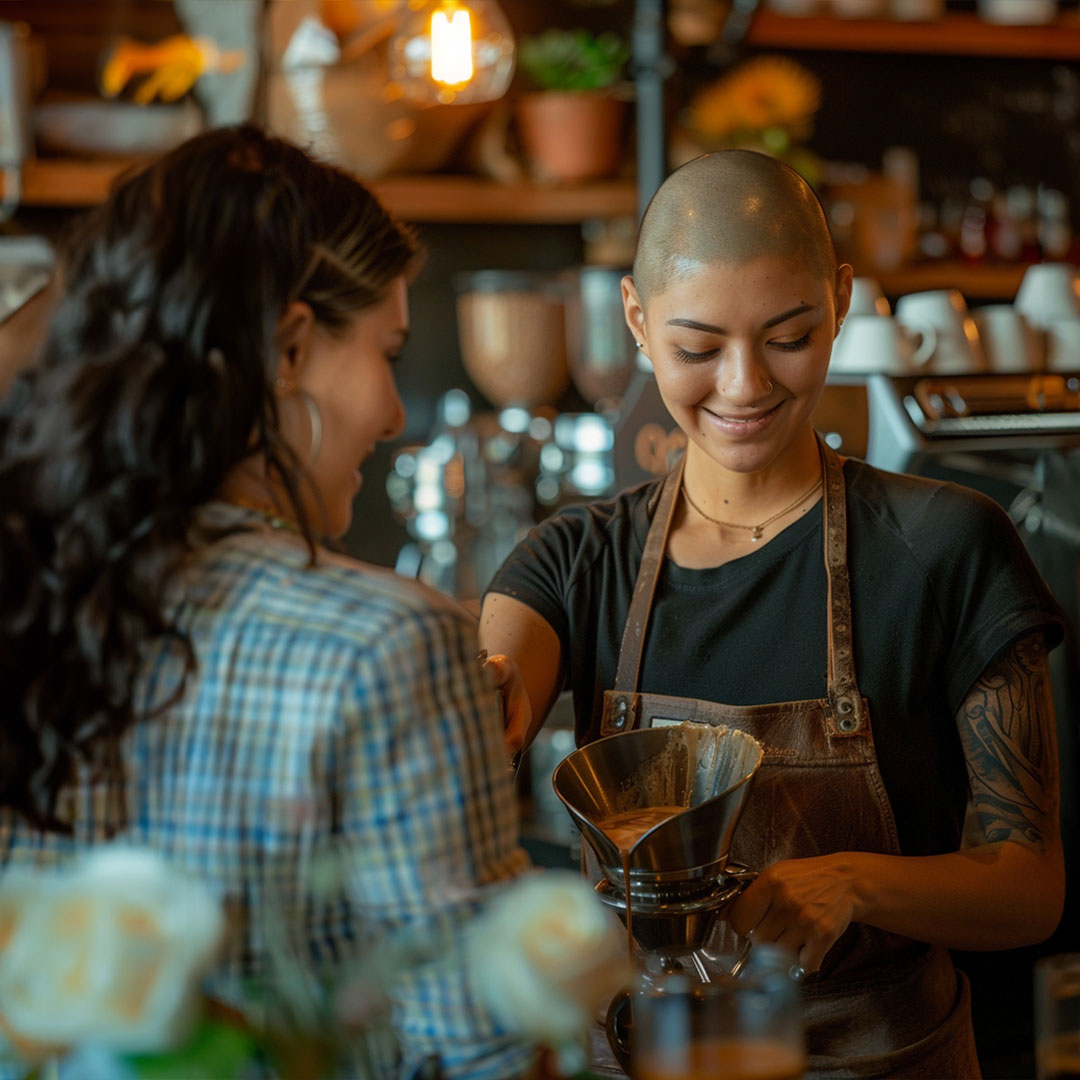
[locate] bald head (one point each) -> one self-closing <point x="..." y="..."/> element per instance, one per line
<point x="731" y="206"/>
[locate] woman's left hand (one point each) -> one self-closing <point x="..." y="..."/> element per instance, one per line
<point x="803" y="905"/>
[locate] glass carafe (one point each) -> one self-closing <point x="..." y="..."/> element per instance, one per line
<point x="688" y="1018"/>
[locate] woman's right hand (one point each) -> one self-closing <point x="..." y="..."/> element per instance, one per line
<point x="504" y="676"/>
<point x="525" y="658"/>
<point x="803" y="905"/>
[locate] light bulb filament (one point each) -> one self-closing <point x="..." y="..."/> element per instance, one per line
<point x="451" y="47"/>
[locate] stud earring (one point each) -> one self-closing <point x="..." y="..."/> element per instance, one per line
<point x="639" y="344"/>
<point x="280" y="383"/>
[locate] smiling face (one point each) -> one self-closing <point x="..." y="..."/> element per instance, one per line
<point x="349" y="376"/>
<point x="740" y="352"/>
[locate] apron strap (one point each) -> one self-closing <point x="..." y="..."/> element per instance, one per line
<point x="652" y="558"/>
<point x="843" y="691"/>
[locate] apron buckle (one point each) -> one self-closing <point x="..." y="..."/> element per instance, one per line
<point x="844" y="714"/>
<point x="621" y="715"/>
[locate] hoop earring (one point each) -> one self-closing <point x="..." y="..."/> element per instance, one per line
<point x="316" y="426"/>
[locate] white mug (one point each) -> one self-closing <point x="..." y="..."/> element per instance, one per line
<point x="1063" y="345"/>
<point x="878" y="343"/>
<point x="1048" y="291"/>
<point x="867" y="298"/>
<point x="1018" y="12"/>
<point x="958" y="350"/>
<point x="1010" y="341"/>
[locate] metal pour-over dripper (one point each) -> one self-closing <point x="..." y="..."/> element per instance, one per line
<point x="678" y="869"/>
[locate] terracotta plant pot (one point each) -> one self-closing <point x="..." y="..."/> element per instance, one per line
<point x="573" y="135"/>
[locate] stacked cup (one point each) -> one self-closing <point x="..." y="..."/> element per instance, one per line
<point x="1049" y="299"/>
<point x="871" y="340"/>
<point x="958" y="349"/>
<point x="935" y="332"/>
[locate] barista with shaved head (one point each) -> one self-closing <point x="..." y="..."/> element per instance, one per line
<point x="885" y="637"/>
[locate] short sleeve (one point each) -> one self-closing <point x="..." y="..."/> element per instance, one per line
<point x="541" y="569"/>
<point x="988" y="590"/>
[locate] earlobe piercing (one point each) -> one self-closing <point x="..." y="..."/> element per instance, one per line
<point x="280" y="383"/>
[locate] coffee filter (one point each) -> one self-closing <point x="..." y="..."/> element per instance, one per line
<point x="703" y="769"/>
<point x="697" y="763"/>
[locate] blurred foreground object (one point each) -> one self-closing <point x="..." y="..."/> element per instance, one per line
<point x="1057" y="1016"/>
<point x="109" y="952"/>
<point x="546" y="957"/>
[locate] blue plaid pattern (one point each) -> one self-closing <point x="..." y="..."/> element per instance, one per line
<point x="335" y="707"/>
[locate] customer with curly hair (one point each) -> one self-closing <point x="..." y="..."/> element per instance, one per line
<point x="182" y="662"/>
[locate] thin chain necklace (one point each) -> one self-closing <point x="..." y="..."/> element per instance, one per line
<point x="755" y="531"/>
<point x="276" y="520"/>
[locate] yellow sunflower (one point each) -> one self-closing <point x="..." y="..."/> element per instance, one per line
<point x="763" y="92"/>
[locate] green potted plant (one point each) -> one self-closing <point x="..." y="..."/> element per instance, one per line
<point x="571" y="126"/>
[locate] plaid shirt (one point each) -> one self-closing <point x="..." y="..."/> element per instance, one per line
<point x="335" y="707"/>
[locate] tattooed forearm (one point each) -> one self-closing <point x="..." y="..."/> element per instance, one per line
<point x="1006" y="726"/>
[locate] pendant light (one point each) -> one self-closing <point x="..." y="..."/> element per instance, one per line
<point x="452" y="52"/>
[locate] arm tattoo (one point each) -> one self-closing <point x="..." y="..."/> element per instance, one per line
<point x="1008" y="733"/>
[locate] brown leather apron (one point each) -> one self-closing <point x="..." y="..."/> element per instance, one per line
<point x="882" y="1005"/>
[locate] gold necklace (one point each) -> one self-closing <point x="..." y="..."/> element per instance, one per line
<point x="754" y="530"/>
<point x="270" y="514"/>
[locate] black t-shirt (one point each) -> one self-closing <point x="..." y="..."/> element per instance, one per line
<point x="940" y="585"/>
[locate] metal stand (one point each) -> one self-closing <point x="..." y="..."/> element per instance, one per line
<point x="650" y="71"/>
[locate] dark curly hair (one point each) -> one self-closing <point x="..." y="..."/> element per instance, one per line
<point x="155" y="380"/>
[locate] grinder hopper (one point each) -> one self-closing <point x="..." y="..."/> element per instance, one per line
<point x="678" y="869"/>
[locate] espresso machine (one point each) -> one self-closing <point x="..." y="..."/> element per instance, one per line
<point x="484" y="478"/>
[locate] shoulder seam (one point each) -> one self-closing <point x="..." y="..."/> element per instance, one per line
<point x="907" y="546"/>
<point x="575" y="578"/>
<point x="404" y="620"/>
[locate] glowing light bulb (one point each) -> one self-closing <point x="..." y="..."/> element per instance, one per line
<point x="451" y="47"/>
<point x="452" y="52"/>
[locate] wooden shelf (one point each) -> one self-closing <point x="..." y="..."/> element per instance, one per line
<point x="982" y="282"/>
<point x="468" y="199"/>
<point x="957" y="34"/>
<point x="471" y="199"/>
<point x="433" y="198"/>
<point x="48" y="182"/>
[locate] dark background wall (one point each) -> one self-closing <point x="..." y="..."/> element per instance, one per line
<point x="431" y="363"/>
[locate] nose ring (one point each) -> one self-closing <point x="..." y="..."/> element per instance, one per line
<point x="768" y="386"/>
